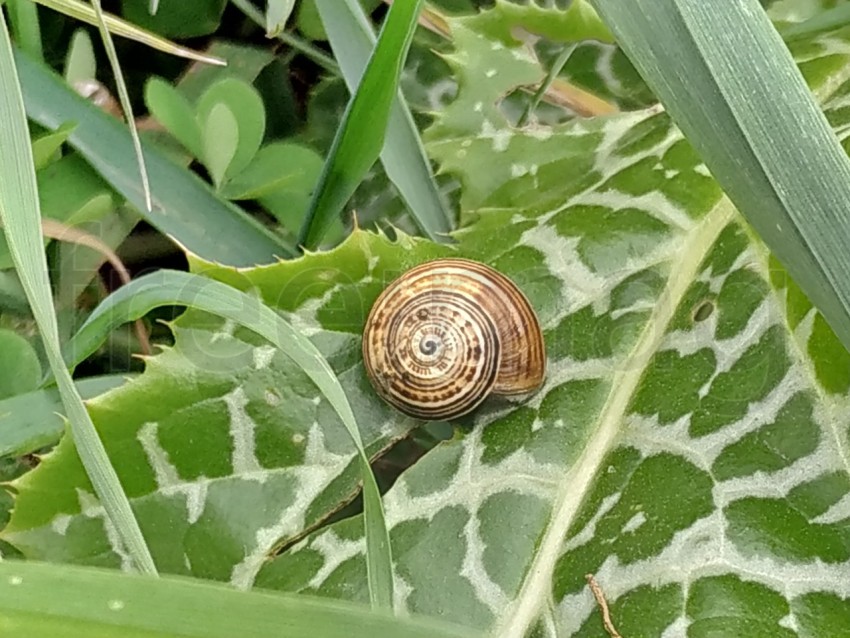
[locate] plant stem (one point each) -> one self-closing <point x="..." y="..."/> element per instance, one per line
<point x="314" y="53"/>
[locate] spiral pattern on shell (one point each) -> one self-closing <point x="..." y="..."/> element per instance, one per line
<point x="446" y="334"/>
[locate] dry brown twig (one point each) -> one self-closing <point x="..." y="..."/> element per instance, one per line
<point x="596" y="590"/>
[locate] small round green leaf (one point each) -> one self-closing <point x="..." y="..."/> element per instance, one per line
<point x="174" y="112"/>
<point x="246" y="106"/>
<point x="221" y="139"/>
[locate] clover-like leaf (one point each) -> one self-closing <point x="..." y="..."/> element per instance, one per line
<point x="220" y="141"/>
<point x="234" y="122"/>
<point x="175" y="112"/>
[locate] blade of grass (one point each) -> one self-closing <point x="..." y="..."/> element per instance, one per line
<point x="403" y="154"/>
<point x="126" y="106"/>
<point x="728" y="81"/>
<point x="41" y="600"/>
<point x="32" y="420"/>
<point x="23" y="20"/>
<point x="86" y="13"/>
<point x="184" y="207"/>
<point x="169" y="288"/>
<point x="361" y="133"/>
<point x="21" y="219"/>
<point x="534" y="102"/>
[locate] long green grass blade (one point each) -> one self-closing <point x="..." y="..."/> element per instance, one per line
<point x="726" y="78"/>
<point x="168" y="288"/>
<point x="124" y="97"/>
<point x="184" y="207"/>
<point x="40" y="600"/>
<point x="403" y="155"/>
<point x="30" y="421"/>
<point x="85" y="13"/>
<point x="360" y="135"/>
<point x="21" y="219"/>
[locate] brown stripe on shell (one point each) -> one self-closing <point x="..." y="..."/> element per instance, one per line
<point x="500" y="345"/>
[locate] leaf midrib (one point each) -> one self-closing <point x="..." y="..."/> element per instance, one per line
<point x="536" y="587"/>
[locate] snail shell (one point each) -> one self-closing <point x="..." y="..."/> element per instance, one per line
<point x="448" y="333"/>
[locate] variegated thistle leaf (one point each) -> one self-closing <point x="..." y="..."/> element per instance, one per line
<point x="225" y="449"/>
<point x="690" y="447"/>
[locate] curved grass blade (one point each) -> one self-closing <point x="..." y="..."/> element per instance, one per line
<point x="727" y="79"/>
<point x="184" y="207"/>
<point x="21" y="218"/>
<point x="168" y="288"/>
<point x="30" y="421"/>
<point x="85" y="13"/>
<point x="360" y="135"/>
<point x="403" y="155"/>
<point x="42" y="600"/>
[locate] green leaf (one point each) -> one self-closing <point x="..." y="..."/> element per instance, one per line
<point x="403" y="156"/>
<point x="277" y="15"/>
<point x="360" y="135"/>
<point x="690" y="445"/>
<point x="235" y="144"/>
<point x="243" y="63"/>
<point x="175" y="113"/>
<point x="578" y="22"/>
<point x="21" y="220"/>
<point x="85" y="12"/>
<point x="78" y="265"/>
<point x="44" y="601"/>
<point x="20" y="370"/>
<point x="280" y="167"/>
<point x="220" y="132"/>
<point x="23" y="17"/>
<point x="185" y="208"/>
<point x="13" y="300"/>
<point x="45" y="146"/>
<point x="176" y="19"/>
<point x="758" y="128"/>
<point x="36" y="419"/>
<point x="80" y="63"/>
<point x="176" y="288"/>
<point x="67" y="190"/>
<point x="824" y="21"/>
